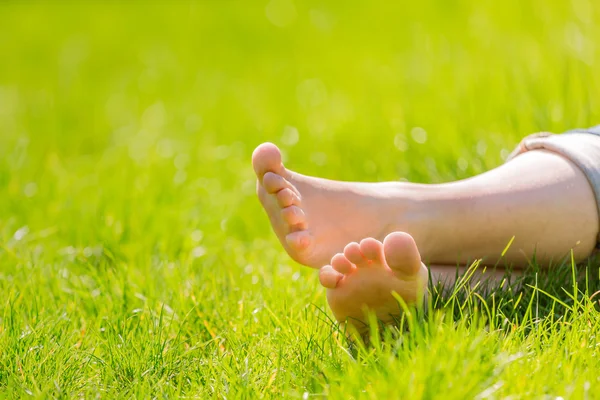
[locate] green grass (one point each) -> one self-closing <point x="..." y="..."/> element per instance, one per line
<point x="135" y="260"/>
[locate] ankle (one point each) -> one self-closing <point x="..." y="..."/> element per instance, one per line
<point x="401" y="209"/>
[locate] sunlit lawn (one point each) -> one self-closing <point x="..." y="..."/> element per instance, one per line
<point x="135" y="260"/>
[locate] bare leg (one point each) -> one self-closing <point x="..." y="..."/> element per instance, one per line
<point x="540" y="198"/>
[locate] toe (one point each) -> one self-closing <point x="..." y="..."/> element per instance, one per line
<point x="267" y="158"/>
<point x="341" y="264"/>
<point x="298" y="241"/>
<point x="354" y="255"/>
<point x="401" y="253"/>
<point x="372" y="249"/>
<point x="273" y="183"/>
<point x="294" y="216"/>
<point x="286" y="197"/>
<point x="329" y="277"/>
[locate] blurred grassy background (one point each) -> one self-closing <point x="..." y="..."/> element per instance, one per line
<point x="126" y="131"/>
<point x="180" y="93"/>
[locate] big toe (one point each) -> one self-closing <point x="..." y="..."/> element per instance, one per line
<point x="402" y="254"/>
<point x="267" y="158"/>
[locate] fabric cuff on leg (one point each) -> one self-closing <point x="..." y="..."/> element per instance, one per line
<point x="581" y="147"/>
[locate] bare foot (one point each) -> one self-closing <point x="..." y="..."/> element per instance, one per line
<point x="314" y="218"/>
<point x="364" y="277"/>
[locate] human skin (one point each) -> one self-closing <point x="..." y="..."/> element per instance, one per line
<point x="540" y="198"/>
<point x="540" y="201"/>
